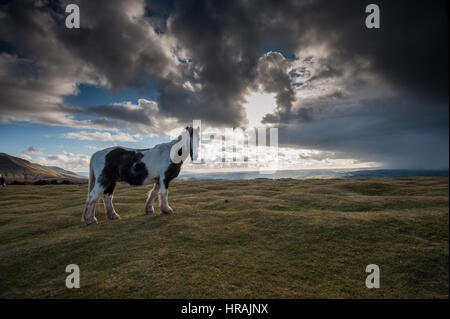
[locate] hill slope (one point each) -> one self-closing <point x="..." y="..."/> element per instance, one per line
<point x="61" y="170"/>
<point x="17" y="169"/>
<point x="231" y="239"/>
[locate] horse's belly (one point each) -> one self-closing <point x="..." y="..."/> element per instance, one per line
<point x="150" y="179"/>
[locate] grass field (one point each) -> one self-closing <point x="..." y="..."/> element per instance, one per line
<point x="231" y="239"/>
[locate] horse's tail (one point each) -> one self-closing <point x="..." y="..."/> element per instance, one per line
<point x="91" y="182"/>
<point x="91" y="175"/>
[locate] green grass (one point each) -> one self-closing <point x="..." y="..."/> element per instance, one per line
<point x="231" y="239"/>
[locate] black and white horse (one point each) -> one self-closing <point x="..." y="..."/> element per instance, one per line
<point x="158" y="165"/>
<point x="2" y="181"/>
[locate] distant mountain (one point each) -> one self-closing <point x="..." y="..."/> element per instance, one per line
<point x="313" y="174"/>
<point x="17" y="169"/>
<point x="60" y="170"/>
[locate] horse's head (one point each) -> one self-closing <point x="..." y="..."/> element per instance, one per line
<point x="194" y="138"/>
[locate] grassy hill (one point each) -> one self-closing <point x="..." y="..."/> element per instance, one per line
<point x="17" y="169"/>
<point x="231" y="239"/>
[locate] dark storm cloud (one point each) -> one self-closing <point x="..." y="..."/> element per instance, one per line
<point x="409" y="53"/>
<point x="114" y="48"/>
<point x="399" y="132"/>
<point x="115" y="40"/>
<point x="224" y="41"/>
<point x="116" y="112"/>
<point x="273" y="76"/>
<point x="36" y="70"/>
<point x="386" y="90"/>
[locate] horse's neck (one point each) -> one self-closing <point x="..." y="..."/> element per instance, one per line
<point x="175" y="141"/>
<point x="168" y="145"/>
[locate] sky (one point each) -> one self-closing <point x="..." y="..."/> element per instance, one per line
<point x="136" y="72"/>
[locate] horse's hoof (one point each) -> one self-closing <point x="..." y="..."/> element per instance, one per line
<point x="91" y="222"/>
<point x="167" y="211"/>
<point x="149" y="211"/>
<point x="114" y="217"/>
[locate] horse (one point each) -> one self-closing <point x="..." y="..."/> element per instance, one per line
<point x="158" y="165"/>
<point x="2" y="181"/>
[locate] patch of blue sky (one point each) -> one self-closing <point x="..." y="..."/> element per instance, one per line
<point x="16" y="137"/>
<point x="92" y="95"/>
<point x="6" y="47"/>
<point x="294" y="73"/>
<point x="274" y="47"/>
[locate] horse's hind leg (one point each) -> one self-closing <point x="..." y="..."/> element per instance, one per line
<point x="164" y="199"/>
<point x="151" y="198"/>
<point x="107" y="200"/>
<point x="89" y="211"/>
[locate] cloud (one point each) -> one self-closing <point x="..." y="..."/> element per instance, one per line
<point x="68" y="161"/>
<point x="32" y="150"/>
<point x="398" y="132"/>
<point x="102" y="136"/>
<point x="145" y="116"/>
<point x="229" y="149"/>
<point x="273" y="77"/>
<point x="49" y="61"/>
<point x="340" y="87"/>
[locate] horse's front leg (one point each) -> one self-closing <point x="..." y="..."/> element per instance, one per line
<point x="164" y="200"/>
<point x="107" y="200"/>
<point x="89" y="211"/>
<point x="151" y="198"/>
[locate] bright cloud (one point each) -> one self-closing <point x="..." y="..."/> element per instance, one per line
<point x="229" y="155"/>
<point x="66" y="160"/>
<point x="259" y="104"/>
